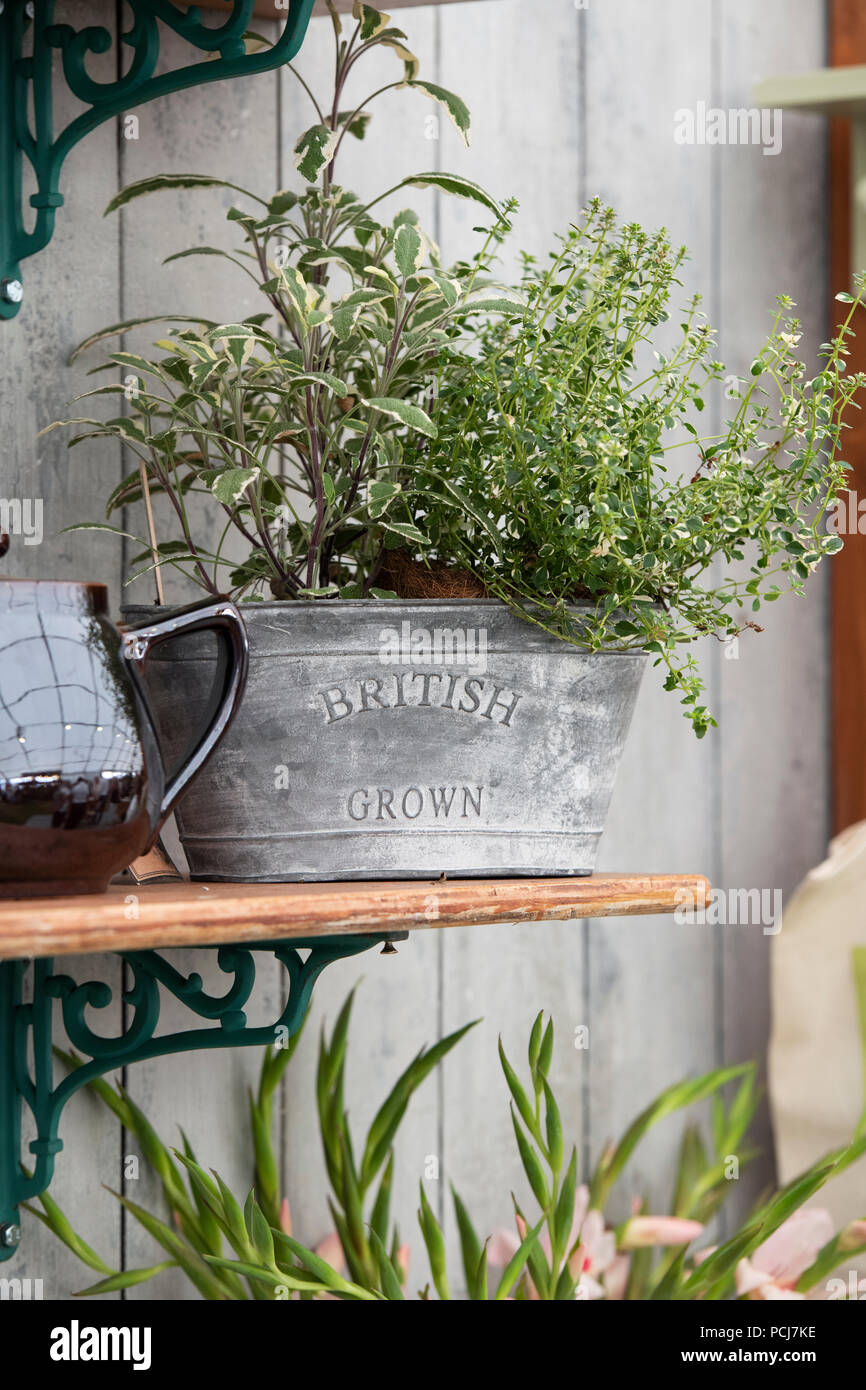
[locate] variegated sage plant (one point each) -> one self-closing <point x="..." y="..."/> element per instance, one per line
<point x="292" y="423"/>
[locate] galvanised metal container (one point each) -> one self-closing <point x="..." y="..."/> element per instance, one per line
<point x="398" y="739"/>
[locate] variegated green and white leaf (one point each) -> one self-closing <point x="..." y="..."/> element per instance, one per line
<point x="293" y="281"/>
<point x="493" y="300"/>
<point x="405" y="412"/>
<point x="157" y="183"/>
<point x="333" y="383"/>
<point x="356" y="122"/>
<point x="456" y="108"/>
<point x="379" y="274"/>
<point x="230" y="485"/>
<point x="394" y="38"/>
<point x="448" y="289"/>
<point x="343" y="320"/>
<point x="380" y="495"/>
<point x="406" y="530"/>
<point x="457" y="186"/>
<point x="346" y="313"/>
<point x="239" y="341"/>
<point x="314" y="150"/>
<point x="367" y="294"/>
<point x="409" y="250"/>
<point x="372" y="21"/>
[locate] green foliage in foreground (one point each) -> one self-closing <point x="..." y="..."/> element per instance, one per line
<point x="563" y="1249"/>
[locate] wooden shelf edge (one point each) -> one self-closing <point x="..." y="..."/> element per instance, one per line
<point x="130" y="918"/>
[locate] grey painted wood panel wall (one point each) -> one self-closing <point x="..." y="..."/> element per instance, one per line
<point x="568" y="101"/>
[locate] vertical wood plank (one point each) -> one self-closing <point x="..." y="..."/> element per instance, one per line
<point x="396" y="1009"/>
<point x="75" y="278"/>
<point x="519" y="75"/>
<point x="774" y="699"/>
<point x="230" y="129"/>
<point x="847" y="44"/>
<point x="651" y="993"/>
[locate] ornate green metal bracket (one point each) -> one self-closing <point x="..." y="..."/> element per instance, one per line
<point x="29" y="38"/>
<point x="27" y="1036"/>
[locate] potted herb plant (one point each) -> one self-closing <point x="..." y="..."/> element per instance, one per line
<point x="459" y="542"/>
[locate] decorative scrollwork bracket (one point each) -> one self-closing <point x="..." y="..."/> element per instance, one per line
<point x="27" y="1037"/>
<point x="29" y="39"/>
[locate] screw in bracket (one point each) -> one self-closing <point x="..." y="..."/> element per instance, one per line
<point x="12" y="291"/>
<point x="10" y="1235"/>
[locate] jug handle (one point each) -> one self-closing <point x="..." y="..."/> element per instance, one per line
<point x="221" y="617"/>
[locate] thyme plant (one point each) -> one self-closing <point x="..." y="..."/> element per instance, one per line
<point x="568" y="429"/>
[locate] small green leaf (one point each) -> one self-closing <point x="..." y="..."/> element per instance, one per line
<point x="230" y="486"/>
<point x="555" y="1143"/>
<point x="531" y="1165"/>
<point x="409" y="251"/>
<point x="535" y="1041"/>
<point x="521" y="1100"/>
<point x="314" y="150"/>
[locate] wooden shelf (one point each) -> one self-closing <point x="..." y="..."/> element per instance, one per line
<point x="271" y="9"/>
<point x="207" y="914"/>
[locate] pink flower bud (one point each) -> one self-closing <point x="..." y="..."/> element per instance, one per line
<point x="658" y="1230"/>
<point x="285" y="1217"/>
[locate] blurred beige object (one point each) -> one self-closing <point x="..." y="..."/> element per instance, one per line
<point x="154" y="867"/>
<point x="816" y="1059"/>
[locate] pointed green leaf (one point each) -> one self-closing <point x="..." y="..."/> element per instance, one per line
<point x="125" y="1279"/>
<point x="563" y="1217"/>
<point x="193" y="1265"/>
<point x="435" y="1244"/>
<point x="521" y="1100"/>
<point x="512" y="1270"/>
<point x="158" y="183"/>
<point x="531" y="1165"/>
<point x="389" y="1280"/>
<point x="470" y="1245"/>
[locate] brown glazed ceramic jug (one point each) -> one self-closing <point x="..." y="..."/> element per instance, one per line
<point x="83" y="787"/>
